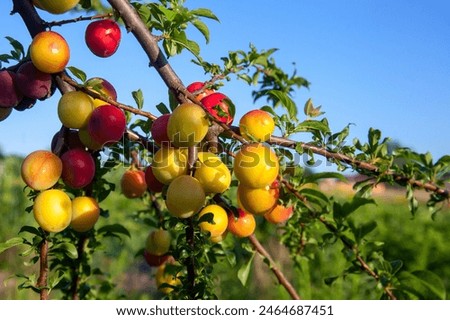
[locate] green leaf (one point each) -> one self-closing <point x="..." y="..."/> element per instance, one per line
<point x="68" y="248"/>
<point x="315" y="196"/>
<point x="202" y="12"/>
<point x="113" y="230"/>
<point x="77" y="73"/>
<point x="203" y="28"/>
<point x="285" y="100"/>
<point x="31" y="230"/>
<point x="423" y="284"/>
<point x="138" y="96"/>
<point x="10" y="243"/>
<point x="162" y="108"/>
<point x="18" y="47"/>
<point x="364" y="229"/>
<point x="309" y="125"/>
<point x="244" y="271"/>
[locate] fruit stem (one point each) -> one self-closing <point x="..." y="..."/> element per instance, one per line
<point x="43" y="268"/>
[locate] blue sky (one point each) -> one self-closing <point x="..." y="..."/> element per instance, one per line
<point x="382" y="64"/>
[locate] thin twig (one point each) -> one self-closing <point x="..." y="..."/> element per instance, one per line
<point x="363" y="264"/>
<point x="80" y="18"/>
<point x="355" y="163"/>
<point x="109" y="100"/>
<point x="272" y="265"/>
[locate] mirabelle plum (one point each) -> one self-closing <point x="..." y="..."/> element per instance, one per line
<point x="185" y="196"/>
<point x="56" y="6"/>
<point x="256" y="165"/>
<point x="257" y="200"/>
<point x="41" y="169"/>
<point x="52" y="210"/>
<point x="187" y="125"/>
<point x="212" y="173"/>
<point x="163" y="277"/>
<point x="74" y="109"/>
<point x="49" y="52"/>
<point x="85" y="213"/>
<point x="256" y="125"/>
<point x="279" y="214"/>
<point x="158" y="242"/>
<point x="219" y="221"/>
<point x="169" y="163"/>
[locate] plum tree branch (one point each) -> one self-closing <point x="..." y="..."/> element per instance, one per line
<point x="272" y="265"/>
<point x="149" y="44"/>
<point x="354" y="163"/>
<point x="80" y="18"/>
<point x="43" y="269"/>
<point x="97" y="95"/>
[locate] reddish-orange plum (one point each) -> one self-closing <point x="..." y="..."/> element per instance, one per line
<point x="199" y="89"/>
<point x="220" y="107"/>
<point x="133" y="183"/>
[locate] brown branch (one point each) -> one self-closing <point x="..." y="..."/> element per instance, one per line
<point x="97" y="95"/>
<point x="80" y="18"/>
<point x="358" y="164"/>
<point x="272" y="265"/>
<point x="43" y="269"/>
<point x="149" y="44"/>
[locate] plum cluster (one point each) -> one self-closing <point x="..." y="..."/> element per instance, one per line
<point x="21" y="89"/>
